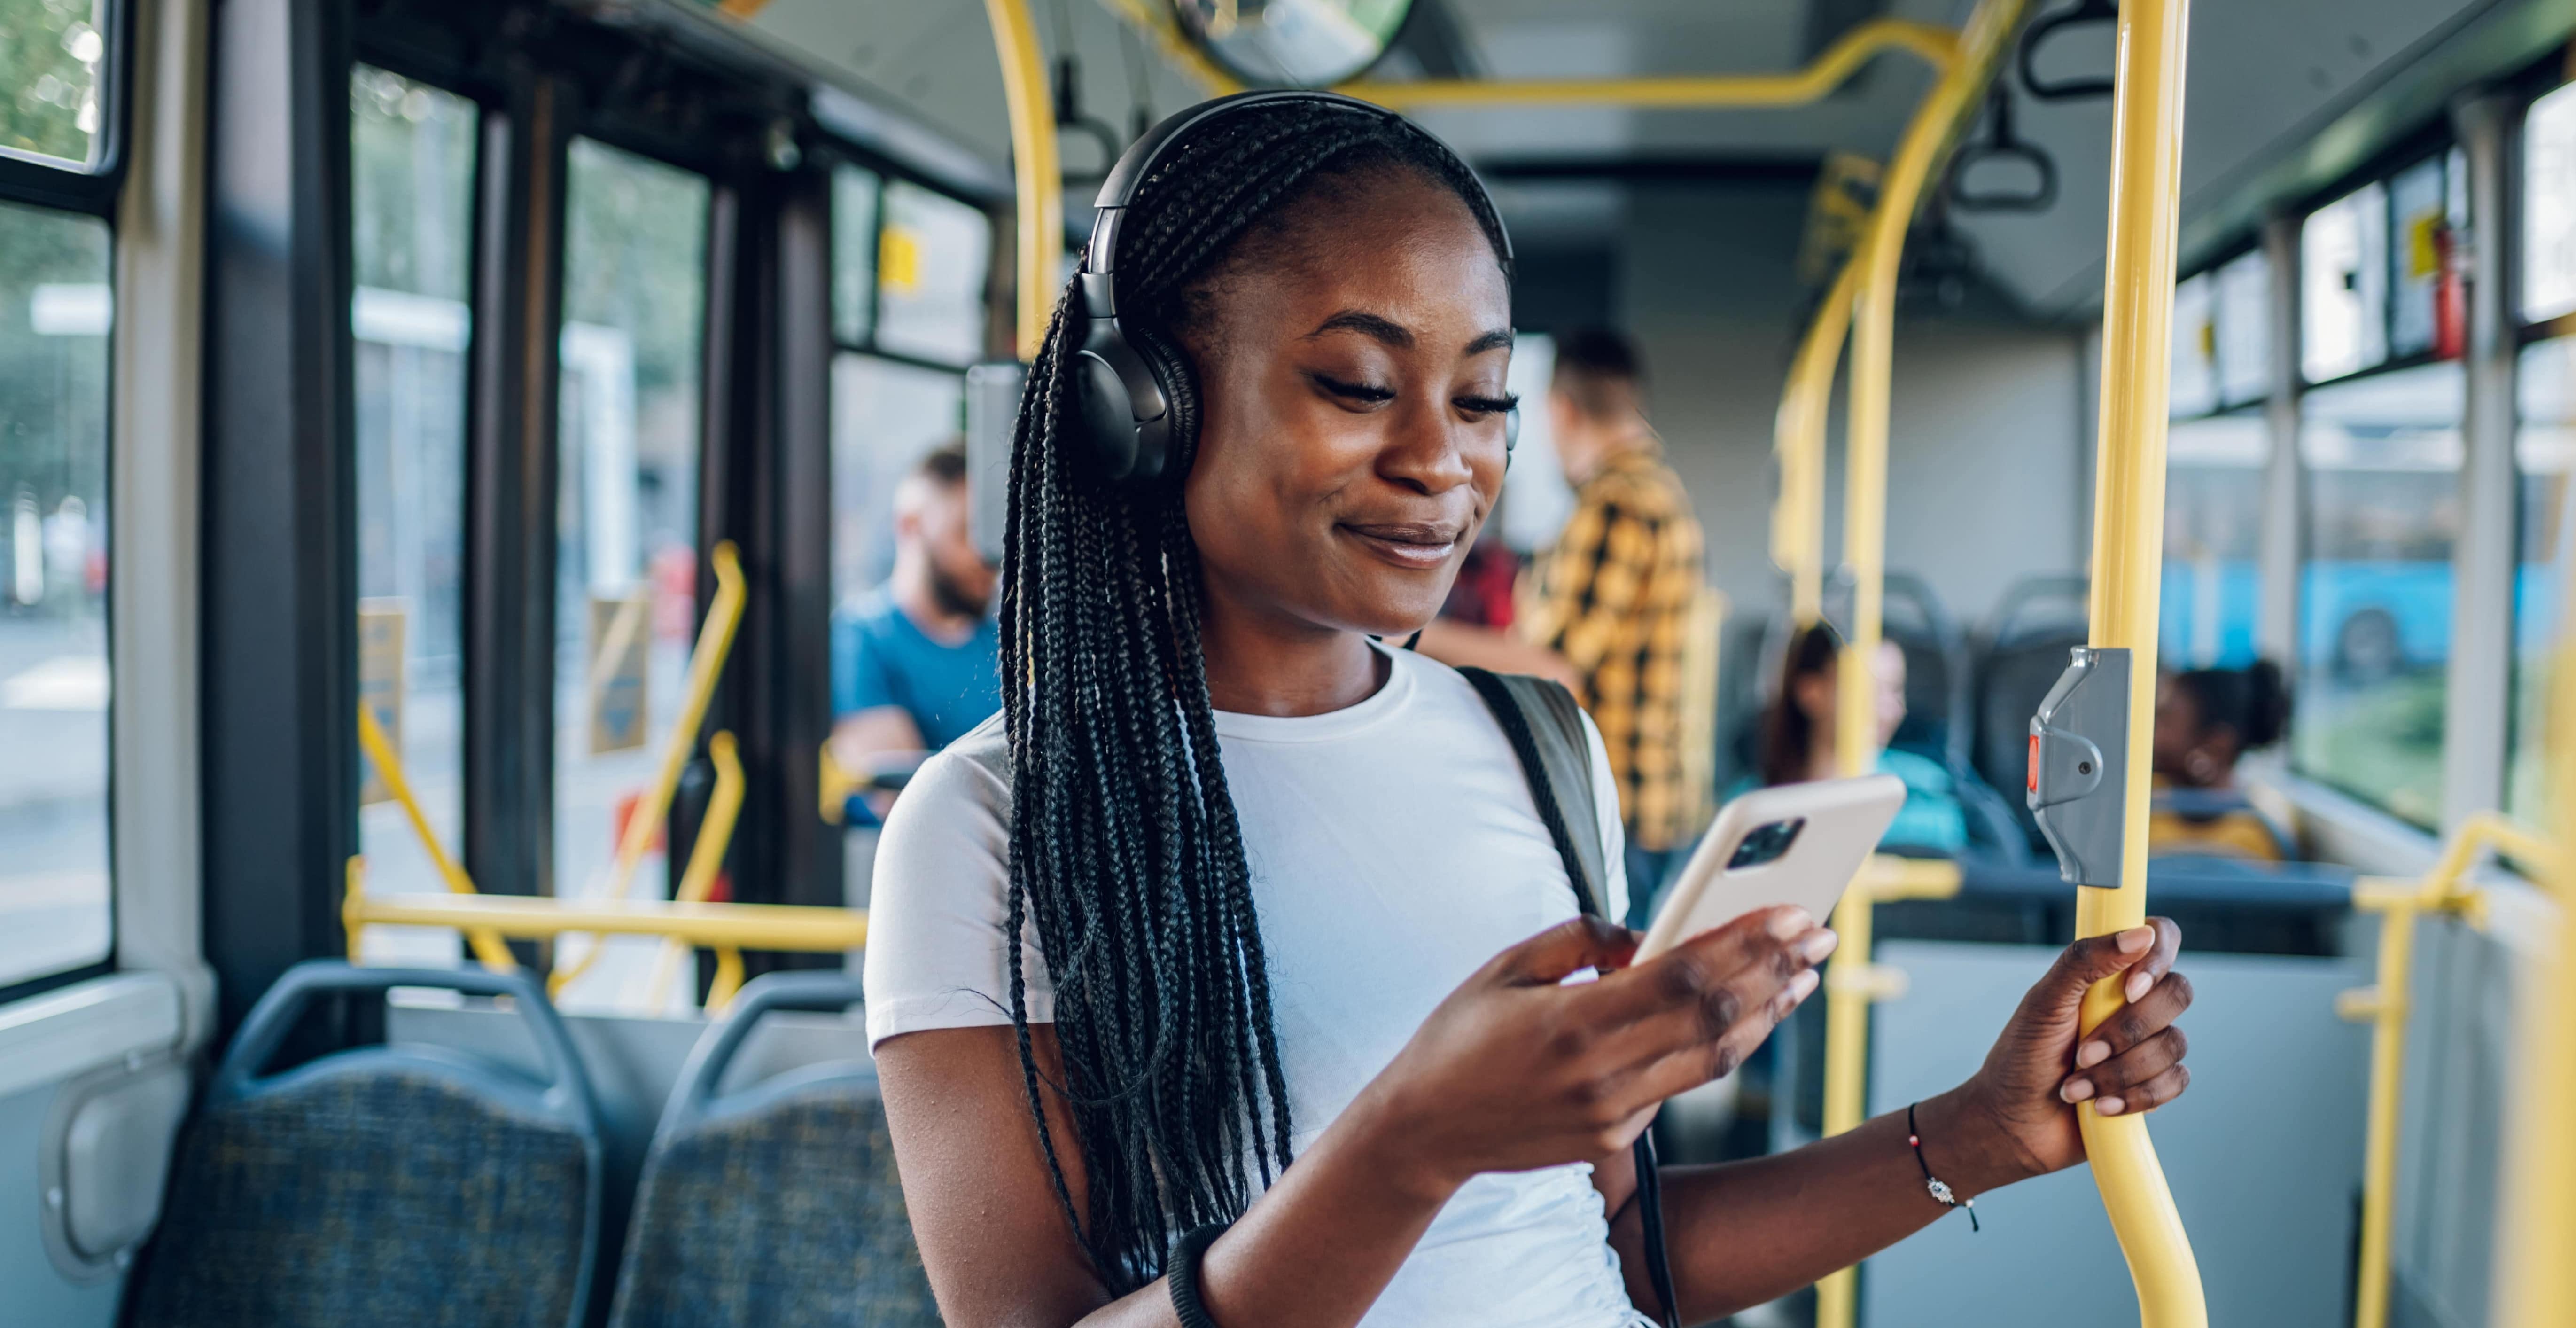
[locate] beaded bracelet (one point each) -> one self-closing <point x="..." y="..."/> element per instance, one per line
<point x="1182" y="1272"/>
<point x="1939" y="1189"/>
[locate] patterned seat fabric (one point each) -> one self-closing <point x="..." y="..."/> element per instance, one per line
<point x="383" y="1197"/>
<point x="788" y="1215"/>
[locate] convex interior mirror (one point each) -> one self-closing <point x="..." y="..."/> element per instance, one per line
<point x="1293" y="43"/>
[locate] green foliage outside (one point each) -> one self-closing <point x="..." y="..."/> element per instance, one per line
<point x="411" y="153"/>
<point x="53" y="388"/>
<point x="2381" y="742"/>
<point x="635" y="245"/>
<point x="50" y="53"/>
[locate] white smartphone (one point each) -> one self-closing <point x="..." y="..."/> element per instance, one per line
<point x="1792" y="844"/>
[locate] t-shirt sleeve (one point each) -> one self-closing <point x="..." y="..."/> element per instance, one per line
<point x="862" y="676"/>
<point x="938" y="905"/>
<point x="1614" y="838"/>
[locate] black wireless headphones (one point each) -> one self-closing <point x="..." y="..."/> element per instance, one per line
<point x="1130" y="388"/>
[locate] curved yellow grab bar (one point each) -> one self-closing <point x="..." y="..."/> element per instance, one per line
<point x="389" y="767"/>
<point x="1871" y="306"/>
<point x="706" y="665"/>
<point x="2128" y="551"/>
<point x="1937" y="47"/>
<point x="2443" y="890"/>
<point x="706" y="861"/>
<point x="1035" y="178"/>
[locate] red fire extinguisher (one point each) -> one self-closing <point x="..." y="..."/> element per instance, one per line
<point x="2450" y="294"/>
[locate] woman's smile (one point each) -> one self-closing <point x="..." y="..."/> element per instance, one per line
<point x="1413" y="545"/>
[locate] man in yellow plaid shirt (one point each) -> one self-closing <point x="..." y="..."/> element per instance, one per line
<point x="1613" y="596"/>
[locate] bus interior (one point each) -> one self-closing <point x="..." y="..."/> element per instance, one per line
<point x="442" y="443"/>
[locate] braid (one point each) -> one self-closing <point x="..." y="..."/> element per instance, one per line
<point x="1126" y="858"/>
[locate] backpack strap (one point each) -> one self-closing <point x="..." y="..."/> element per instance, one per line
<point x="1545" y="726"/>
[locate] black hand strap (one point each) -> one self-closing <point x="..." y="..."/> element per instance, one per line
<point x="1552" y="790"/>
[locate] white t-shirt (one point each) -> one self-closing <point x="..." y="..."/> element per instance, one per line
<point x="1394" y="849"/>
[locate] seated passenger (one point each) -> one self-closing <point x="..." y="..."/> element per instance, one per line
<point x="1233" y="949"/>
<point x="2205" y="720"/>
<point x="1797" y="738"/>
<point x="914" y="661"/>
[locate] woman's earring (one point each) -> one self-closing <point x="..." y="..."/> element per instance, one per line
<point x="2200" y="764"/>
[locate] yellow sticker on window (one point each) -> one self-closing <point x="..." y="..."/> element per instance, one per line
<point x="898" y="260"/>
<point x="2423" y="245"/>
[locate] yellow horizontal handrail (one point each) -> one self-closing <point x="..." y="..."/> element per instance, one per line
<point x="1936" y="46"/>
<point x="1887" y="877"/>
<point x="800" y="928"/>
<point x="2442" y="890"/>
<point x="389" y="768"/>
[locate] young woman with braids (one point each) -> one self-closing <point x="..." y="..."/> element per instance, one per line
<point x="1237" y="916"/>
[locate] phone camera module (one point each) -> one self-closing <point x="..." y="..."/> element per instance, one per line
<point x="1766" y="843"/>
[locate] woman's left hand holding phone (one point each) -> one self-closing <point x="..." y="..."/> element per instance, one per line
<point x="1573" y="1072"/>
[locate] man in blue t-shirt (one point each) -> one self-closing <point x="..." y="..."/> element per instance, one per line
<point x="916" y="661"/>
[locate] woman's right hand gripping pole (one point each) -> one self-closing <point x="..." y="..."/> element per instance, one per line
<point x="1520" y="1069"/>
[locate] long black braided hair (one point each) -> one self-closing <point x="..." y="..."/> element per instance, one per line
<point x="1125" y="851"/>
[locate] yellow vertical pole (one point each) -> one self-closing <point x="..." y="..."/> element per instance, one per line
<point x="2128" y="550"/>
<point x="1035" y="175"/>
<point x="2387" y="1008"/>
<point x="1798" y="440"/>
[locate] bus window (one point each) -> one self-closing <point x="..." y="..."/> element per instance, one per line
<point x="2549" y="207"/>
<point x="2382" y="503"/>
<point x="626" y="532"/>
<point x="411" y="194"/>
<point x="2343" y="300"/>
<point x="55" y="312"/>
<point x="2544" y="447"/>
<point x="855" y="194"/>
<point x="2213" y="520"/>
<point x="49" y="102"/>
<point x="932" y="254"/>
<point x="885" y="415"/>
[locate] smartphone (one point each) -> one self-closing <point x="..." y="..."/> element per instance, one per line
<point x="1792" y="844"/>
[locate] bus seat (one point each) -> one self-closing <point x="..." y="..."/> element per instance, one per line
<point x="2012" y="680"/>
<point x="384" y="1186"/>
<point x="777" y="1203"/>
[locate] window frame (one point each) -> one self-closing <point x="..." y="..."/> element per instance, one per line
<point x="2225" y="257"/>
<point x="844" y="154"/>
<point x="96" y="192"/>
<point x="2434" y="141"/>
<point x="95" y="188"/>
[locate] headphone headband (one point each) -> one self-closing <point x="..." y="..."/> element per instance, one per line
<point x="1126" y="387"/>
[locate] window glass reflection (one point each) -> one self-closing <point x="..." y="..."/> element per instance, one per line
<point x="854" y="254"/>
<point x="932" y="256"/>
<point x="2195" y="349"/>
<point x="2343" y="303"/>
<point x="2244" y="299"/>
<point x="2549" y="206"/>
<point x="2544" y="452"/>
<point x="411" y="197"/>
<point x="2213" y="516"/>
<point x="2382" y="513"/>
<point x="885" y="416"/>
<point x="626" y="561"/>
<point x="2417" y="316"/>
<point x="55" y="314"/>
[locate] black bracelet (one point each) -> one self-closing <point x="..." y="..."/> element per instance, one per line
<point x="1182" y="1271"/>
<point x="1937" y="1188"/>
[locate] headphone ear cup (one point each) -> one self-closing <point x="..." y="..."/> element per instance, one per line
<point x="1173" y="446"/>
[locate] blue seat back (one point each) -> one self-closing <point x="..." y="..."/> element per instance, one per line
<point x="384" y="1186"/>
<point x="776" y="1205"/>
